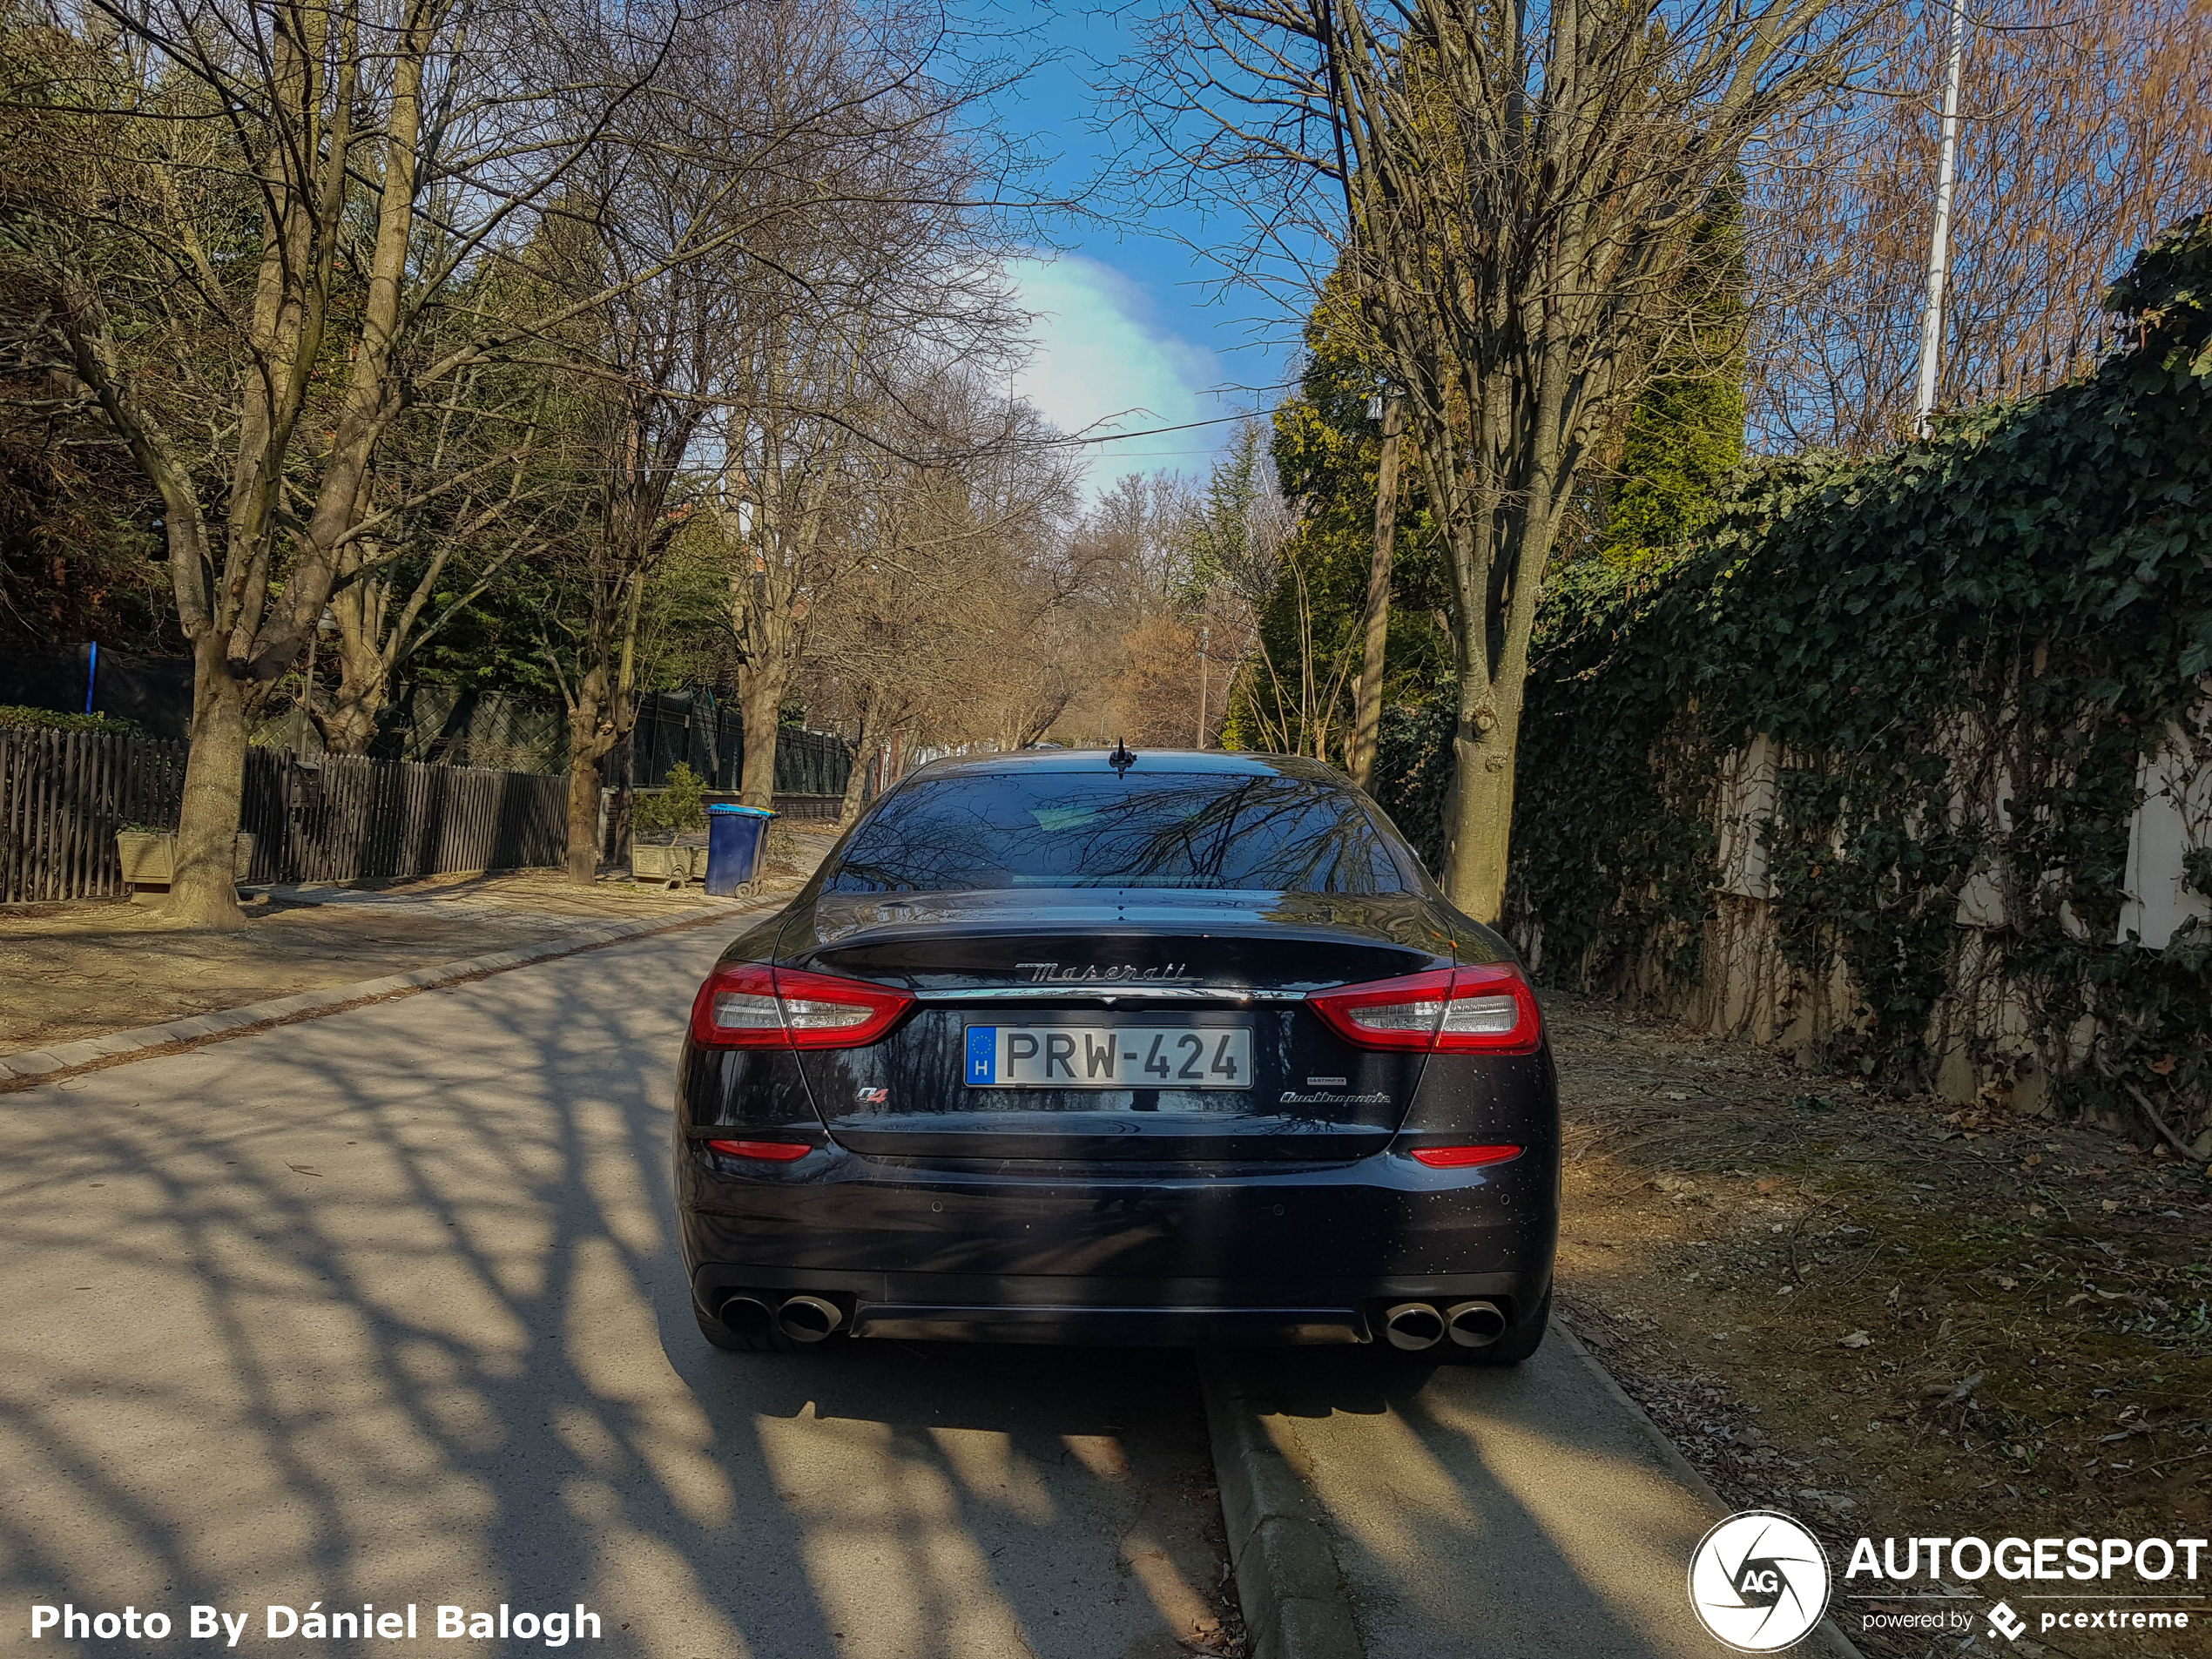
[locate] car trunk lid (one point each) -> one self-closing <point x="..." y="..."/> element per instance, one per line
<point x="1114" y="1024"/>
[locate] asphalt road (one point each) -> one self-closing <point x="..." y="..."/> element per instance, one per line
<point x="385" y="1308"/>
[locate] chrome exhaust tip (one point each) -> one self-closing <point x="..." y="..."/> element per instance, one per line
<point x="1413" y="1326"/>
<point x="746" y="1315"/>
<point x="1474" y="1325"/>
<point x="808" y="1318"/>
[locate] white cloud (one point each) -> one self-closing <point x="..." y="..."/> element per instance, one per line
<point x="1104" y="358"/>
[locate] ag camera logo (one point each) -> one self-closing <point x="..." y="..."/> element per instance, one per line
<point x="1758" y="1581"/>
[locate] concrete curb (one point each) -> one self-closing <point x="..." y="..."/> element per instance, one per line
<point x="47" y="1065"/>
<point x="1826" y="1638"/>
<point x="1288" y="1580"/>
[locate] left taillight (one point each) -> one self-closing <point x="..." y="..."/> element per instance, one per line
<point x="1487" y="1009"/>
<point x="751" y="1005"/>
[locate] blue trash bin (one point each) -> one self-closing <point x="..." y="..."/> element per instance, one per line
<point x="736" y="836"/>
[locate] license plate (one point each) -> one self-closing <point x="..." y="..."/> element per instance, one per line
<point x="1109" y="1056"/>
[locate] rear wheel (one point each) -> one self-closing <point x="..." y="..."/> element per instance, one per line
<point x="1518" y="1343"/>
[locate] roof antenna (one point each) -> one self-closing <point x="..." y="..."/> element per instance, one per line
<point x="1121" y="761"/>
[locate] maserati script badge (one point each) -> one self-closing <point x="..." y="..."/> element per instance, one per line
<point x="1053" y="974"/>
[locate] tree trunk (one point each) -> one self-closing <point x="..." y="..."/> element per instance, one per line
<point x="1367" y="720"/>
<point x="204" y="891"/>
<point x="585" y="746"/>
<point x="856" y="776"/>
<point x="856" y="786"/>
<point x="1479" y="816"/>
<point x="364" y="670"/>
<point x="760" y="701"/>
<point x="348" y="725"/>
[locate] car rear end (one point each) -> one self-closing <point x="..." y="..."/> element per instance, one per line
<point x="1186" y="1108"/>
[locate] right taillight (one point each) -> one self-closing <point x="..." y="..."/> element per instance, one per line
<point x="1449" y="1010"/>
<point x="751" y="1005"/>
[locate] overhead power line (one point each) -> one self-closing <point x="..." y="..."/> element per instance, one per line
<point x="1186" y="425"/>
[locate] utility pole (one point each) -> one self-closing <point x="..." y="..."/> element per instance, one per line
<point x="1205" y="638"/>
<point x="1367" y="710"/>
<point x="1940" y="237"/>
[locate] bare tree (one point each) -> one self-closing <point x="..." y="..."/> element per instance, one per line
<point x="2085" y="129"/>
<point x="432" y="187"/>
<point x="1235" y="536"/>
<point x="1513" y="196"/>
<point x="1127" y="564"/>
<point x="385" y="153"/>
<point x="394" y="591"/>
<point x="861" y="312"/>
<point x="949" y="621"/>
<point x="1132" y="549"/>
<point x="655" y="347"/>
<point x="782" y="495"/>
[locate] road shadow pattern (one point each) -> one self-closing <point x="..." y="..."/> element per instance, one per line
<point x="387" y="1308"/>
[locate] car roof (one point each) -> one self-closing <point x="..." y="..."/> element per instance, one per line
<point x="1152" y="761"/>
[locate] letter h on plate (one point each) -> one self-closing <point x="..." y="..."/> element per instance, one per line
<point x="982" y="1054"/>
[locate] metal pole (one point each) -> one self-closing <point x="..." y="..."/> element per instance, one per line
<point x="1367" y="696"/>
<point x="1940" y="237"/>
<point x="1205" y="638"/>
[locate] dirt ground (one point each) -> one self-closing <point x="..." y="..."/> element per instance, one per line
<point x="81" y="970"/>
<point x="1890" y="1318"/>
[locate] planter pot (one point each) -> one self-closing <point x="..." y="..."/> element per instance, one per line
<point x="149" y="860"/>
<point x="664" y="862"/>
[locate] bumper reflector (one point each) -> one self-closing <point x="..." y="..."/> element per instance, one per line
<point x="1463" y="1158"/>
<point x="774" y="1151"/>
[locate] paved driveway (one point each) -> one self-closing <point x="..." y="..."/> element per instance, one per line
<point x="1490" y="1514"/>
<point x="384" y="1308"/>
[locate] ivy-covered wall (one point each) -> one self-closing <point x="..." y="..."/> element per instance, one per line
<point x="1969" y="660"/>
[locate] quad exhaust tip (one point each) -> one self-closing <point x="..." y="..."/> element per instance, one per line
<point x="746" y="1315"/>
<point x="1474" y="1325"/>
<point x="808" y="1318"/>
<point x="1413" y="1326"/>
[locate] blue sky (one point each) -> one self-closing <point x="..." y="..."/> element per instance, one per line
<point x="1125" y="321"/>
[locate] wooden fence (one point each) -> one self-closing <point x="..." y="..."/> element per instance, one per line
<point x="707" y="736"/>
<point x="320" y="818"/>
<point x="340" y="818"/>
<point x="63" y="795"/>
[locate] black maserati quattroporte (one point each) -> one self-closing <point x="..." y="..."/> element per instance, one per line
<point x="1072" y="1046"/>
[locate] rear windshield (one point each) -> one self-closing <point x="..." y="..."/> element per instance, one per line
<point x="1040" y="829"/>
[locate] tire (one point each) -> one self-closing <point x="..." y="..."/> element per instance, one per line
<point x="1511" y="1349"/>
<point x="719" y="1335"/>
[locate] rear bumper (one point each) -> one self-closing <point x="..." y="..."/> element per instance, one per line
<point x="1086" y="1254"/>
<point x="1160" y="1313"/>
